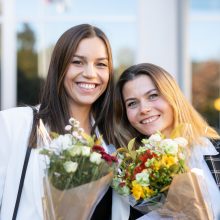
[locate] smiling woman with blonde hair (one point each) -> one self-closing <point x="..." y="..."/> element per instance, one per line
<point x="183" y="111"/>
<point x="147" y="100"/>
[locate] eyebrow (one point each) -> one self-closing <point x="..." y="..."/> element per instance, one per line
<point x="147" y="93"/>
<point x="84" y="58"/>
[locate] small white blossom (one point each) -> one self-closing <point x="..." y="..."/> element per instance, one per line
<point x="63" y="142"/>
<point x="75" y="150"/>
<point x="68" y="127"/>
<point x="155" y="138"/>
<point x="57" y="174"/>
<point x="81" y="130"/>
<point x="71" y="121"/>
<point x="149" y="162"/>
<point x="76" y="124"/>
<point x="70" y="166"/>
<point x="143" y="178"/>
<point x="85" y="151"/>
<point x="169" y="146"/>
<point x="95" y="158"/>
<point x="76" y="135"/>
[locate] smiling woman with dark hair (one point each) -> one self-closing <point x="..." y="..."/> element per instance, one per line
<point x="79" y="84"/>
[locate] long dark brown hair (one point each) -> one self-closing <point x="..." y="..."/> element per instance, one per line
<point x="54" y="103"/>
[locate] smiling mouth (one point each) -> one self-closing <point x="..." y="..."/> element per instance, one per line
<point x="87" y="86"/>
<point x="150" y="119"/>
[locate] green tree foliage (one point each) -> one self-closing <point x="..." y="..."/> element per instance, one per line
<point x="28" y="83"/>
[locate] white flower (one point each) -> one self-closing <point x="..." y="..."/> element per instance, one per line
<point x="95" y="158"/>
<point x="181" y="141"/>
<point x="149" y="162"/>
<point x="169" y="146"/>
<point x="63" y="142"/>
<point x="70" y="166"/>
<point x="76" y="124"/>
<point x="75" y="150"/>
<point x="155" y="138"/>
<point x="143" y="178"/>
<point x="81" y="130"/>
<point x="71" y="121"/>
<point x="76" y="135"/>
<point x="142" y="149"/>
<point x="85" y="151"/>
<point x="68" y="127"/>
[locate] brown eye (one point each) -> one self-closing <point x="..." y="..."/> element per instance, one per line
<point x="77" y="62"/>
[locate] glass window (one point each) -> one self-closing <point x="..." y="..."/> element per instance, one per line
<point x="37" y="35"/>
<point x="205" y="56"/>
<point x="28" y="79"/>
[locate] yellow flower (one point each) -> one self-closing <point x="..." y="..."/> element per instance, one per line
<point x="168" y="160"/>
<point x="148" y="192"/>
<point x="157" y="165"/>
<point x="137" y="190"/>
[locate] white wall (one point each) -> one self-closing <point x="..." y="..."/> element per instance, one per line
<point x="9" y="74"/>
<point x="162" y="38"/>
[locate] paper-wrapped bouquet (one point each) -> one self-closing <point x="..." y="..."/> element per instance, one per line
<point x="78" y="173"/>
<point x="155" y="177"/>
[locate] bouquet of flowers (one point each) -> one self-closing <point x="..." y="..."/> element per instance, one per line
<point x="78" y="173"/>
<point x="146" y="173"/>
<point x="156" y="179"/>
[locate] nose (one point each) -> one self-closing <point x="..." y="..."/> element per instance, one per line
<point x="145" y="108"/>
<point x="89" y="71"/>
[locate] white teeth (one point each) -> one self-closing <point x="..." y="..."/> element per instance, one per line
<point x="86" y="86"/>
<point x="149" y="120"/>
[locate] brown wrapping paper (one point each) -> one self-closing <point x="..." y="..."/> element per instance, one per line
<point x="185" y="199"/>
<point x="74" y="204"/>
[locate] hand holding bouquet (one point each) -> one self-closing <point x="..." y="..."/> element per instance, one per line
<point x="145" y="174"/>
<point x="78" y="173"/>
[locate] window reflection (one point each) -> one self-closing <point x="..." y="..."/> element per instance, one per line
<point x="39" y="30"/>
<point x="28" y="80"/>
<point x="205" y="55"/>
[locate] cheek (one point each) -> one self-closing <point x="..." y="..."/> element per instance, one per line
<point x="131" y="115"/>
<point x="105" y="77"/>
<point x="169" y="114"/>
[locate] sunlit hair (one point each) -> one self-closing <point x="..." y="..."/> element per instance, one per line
<point x="193" y="125"/>
<point x="54" y="102"/>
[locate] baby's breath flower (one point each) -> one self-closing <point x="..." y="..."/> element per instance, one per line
<point x="71" y="121"/>
<point x="76" y="124"/>
<point x="68" y="127"/>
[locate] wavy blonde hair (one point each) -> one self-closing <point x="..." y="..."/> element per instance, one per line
<point x="192" y="123"/>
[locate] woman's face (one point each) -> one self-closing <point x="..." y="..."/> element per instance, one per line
<point x="147" y="111"/>
<point x="88" y="73"/>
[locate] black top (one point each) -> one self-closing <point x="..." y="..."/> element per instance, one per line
<point x="103" y="210"/>
<point x="134" y="214"/>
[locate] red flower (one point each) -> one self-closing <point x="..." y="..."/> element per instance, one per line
<point x="98" y="148"/>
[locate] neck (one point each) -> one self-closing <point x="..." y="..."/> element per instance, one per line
<point x="82" y="114"/>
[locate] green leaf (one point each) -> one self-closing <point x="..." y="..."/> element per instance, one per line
<point x="131" y="144"/>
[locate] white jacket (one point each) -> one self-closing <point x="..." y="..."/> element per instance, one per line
<point x="15" y="127"/>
